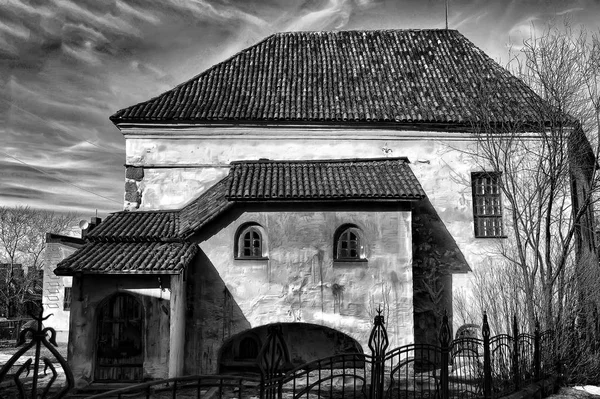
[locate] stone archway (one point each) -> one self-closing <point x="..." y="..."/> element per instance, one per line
<point x="119" y="339"/>
<point x="305" y="342"/>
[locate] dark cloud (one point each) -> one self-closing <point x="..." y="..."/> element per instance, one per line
<point x="67" y="65"/>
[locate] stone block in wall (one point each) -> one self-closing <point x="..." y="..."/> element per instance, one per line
<point x="52" y="298"/>
<point x="134" y="173"/>
<point x="131" y="206"/>
<point x="131" y="192"/>
<point x="52" y="305"/>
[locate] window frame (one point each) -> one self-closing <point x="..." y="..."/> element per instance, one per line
<point x="240" y="238"/>
<point x="487" y="204"/>
<point x="360" y="246"/>
<point x="67" y="294"/>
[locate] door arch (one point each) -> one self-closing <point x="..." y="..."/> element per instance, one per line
<point x="304" y="342"/>
<point x="119" y="339"/>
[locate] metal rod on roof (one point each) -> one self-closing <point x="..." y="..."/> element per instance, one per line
<point x="446" y="14"/>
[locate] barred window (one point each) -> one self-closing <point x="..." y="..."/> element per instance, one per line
<point x="487" y="204"/>
<point x="67" y="299"/>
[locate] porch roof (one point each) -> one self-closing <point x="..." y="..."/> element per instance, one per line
<point x="129" y="258"/>
<point x="157" y="241"/>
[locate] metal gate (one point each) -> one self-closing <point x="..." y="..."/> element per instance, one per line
<point x="468" y="367"/>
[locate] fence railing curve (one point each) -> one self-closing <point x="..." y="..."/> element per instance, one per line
<point x="38" y="340"/>
<point x="488" y="367"/>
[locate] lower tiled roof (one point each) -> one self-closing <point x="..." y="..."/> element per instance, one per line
<point x="155" y="241"/>
<point x="137" y="226"/>
<point x="365" y="179"/>
<point x="129" y="258"/>
<point x="205" y="208"/>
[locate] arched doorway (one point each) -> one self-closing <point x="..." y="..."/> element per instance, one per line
<point x="304" y="342"/>
<point x="119" y="342"/>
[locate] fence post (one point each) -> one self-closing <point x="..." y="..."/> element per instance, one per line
<point x="515" y="359"/>
<point x="537" y="358"/>
<point x="487" y="359"/>
<point x="378" y="343"/>
<point x="271" y="361"/>
<point x="445" y="341"/>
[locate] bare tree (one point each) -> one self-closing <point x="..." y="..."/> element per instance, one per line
<point x="549" y="183"/>
<point x="22" y="243"/>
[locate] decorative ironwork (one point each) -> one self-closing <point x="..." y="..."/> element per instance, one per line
<point x="378" y="343"/>
<point x="479" y="368"/>
<point x="272" y="361"/>
<point x="38" y="338"/>
<point x="487" y="358"/>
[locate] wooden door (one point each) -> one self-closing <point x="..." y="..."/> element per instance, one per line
<point x="119" y="344"/>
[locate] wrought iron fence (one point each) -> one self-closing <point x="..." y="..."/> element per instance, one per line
<point x="40" y="337"/>
<point x="472" y="367"/>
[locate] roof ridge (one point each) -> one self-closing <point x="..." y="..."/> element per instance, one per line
<point x="144" y="211"/>
<point x="311" y="161"/>
<point x="364" y="30"/>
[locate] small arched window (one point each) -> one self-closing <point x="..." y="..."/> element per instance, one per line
<point x="248" y="348"/>
<point x="251" y="242"/>
<point x="349" y="244"/>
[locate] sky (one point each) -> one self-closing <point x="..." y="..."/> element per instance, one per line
<point x="66" y="66"/>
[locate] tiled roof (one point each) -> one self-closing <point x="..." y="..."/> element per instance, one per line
<point x="384" y="178"/>
<point x="137" y="227"/>
<point x="153" y="241"/>
<point x="129" y="258"/>
<point x="206" y="207"/>
<point x="395" y="76"/>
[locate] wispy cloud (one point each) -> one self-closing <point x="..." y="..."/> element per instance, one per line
<point x="334" y="14"/>
<point x="570" y="10"/>
<point x="137" y="13"/>
<point x="71" y="63"/>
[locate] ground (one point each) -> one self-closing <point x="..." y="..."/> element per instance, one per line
<point x="579" y="392"/>
<point x="7" y="350"/>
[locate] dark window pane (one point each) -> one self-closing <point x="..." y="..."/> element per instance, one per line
<point x="67" y="299"/>
<point x="348" y="245"/>
<point x="251" y="245"/>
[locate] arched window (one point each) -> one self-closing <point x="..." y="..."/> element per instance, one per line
<point x="251" y="242"/>
<point x="248" y="348"/>
<point x="349" y="243"/>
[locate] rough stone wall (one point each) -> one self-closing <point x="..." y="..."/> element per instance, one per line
<point x="89" y="293"/>
<point x="54" y="289"/>
<point x="300" y="281"/>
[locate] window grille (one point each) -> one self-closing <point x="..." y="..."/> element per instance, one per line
<point x="487" y="204"/>
<point x="67" y="299"/>
<point x="250" y="243"/>
<point x="349" y="245"/>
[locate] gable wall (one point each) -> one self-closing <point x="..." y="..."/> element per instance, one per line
<point x="300" y="282"/>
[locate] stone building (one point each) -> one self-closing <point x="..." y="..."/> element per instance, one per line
<point x="307" y="180"/>
<point x="56" y="296"/>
